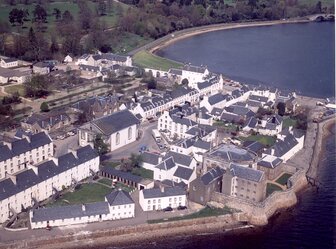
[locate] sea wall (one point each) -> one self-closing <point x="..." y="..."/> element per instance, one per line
<point x="259" y="213"/>
<point x="132" y="234"/>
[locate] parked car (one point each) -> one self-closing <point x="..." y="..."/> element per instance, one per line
<point x="167" y="209"/>
<point x="181" y="207"/>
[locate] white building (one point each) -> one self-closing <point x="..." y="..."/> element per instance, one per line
<point x="15" y="156"/>
<point x="107" y="60"/>
<point x="117" y="205"/>
<point x="11" y="75"/>
<point x="117" y="130"/>
<point x="39" y="182"/>
<point x="193" y="74"/>
<point x="160" y="198"/>
<point x="68" y="59"/>
<point x="9" y="62"/>
<point x="269" y="126"/>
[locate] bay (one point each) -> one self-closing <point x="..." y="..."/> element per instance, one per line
<point x="298" y="57"/>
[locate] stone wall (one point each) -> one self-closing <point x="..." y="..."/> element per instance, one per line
<point x="259" y="213"/>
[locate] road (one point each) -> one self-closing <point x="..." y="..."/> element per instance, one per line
<point x="146" y="139"/>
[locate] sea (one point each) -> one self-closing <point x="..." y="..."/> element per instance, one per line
<point x="298" y="57"/>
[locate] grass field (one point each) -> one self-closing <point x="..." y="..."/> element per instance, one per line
<point x="205" y="212"/>
<point x="265" y="140"/>
<point x="105" y="181"/>
<point x="145" y="173"/>
<point x="89" y="192"/>
<point x="123" y="187"/>
<point x="125" y="42"/>
<point x="270" y="188"/>
<point x="16" y="88"/>
<point x="287" y="122"/>
<point x="283" y="179"/>
<point x="146" y="59"/>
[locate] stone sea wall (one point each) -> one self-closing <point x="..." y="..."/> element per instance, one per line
<point x="259" y="213"/>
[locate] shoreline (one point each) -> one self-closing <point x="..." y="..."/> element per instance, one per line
<point x="183" y="34"/>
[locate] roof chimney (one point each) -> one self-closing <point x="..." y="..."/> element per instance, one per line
<point x="34" y="168"/>
<point x="12" y="177"/>
<point x="55" y="160"/>
<point x="83" y="207"/>
<point x="8" y="144"/>
<point x="26" y="137"/>
<point x="162" y="189"/>
<point x="74" y="152"/>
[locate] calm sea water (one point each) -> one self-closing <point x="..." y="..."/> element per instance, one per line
<point x="309" y="225"/>
<point x="288" y="56"/>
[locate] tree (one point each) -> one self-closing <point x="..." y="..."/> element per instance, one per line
<point x="44" y="107"/>
<point x="319" y="7"/>
<point x="281" y="106"/>
<point x="16" y="16"/>
<point x="57" y="13"/>
<point x="40" y="14"/>
<point x="67" y="17"/>
<point x="54" y="45"/>
<point x="136" y="160"/>
<point x="185" y="82"/>
<point x="102" y="7"/>
<point x="100" y="145"/>
<point x="37" y="86"/>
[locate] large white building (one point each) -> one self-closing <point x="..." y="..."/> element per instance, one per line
<point x="117" y="130"/>
<point x="193" y="74"/>
<point x="39" y="182"/>
<point x="117" y="205"/>
<point x="9" y="62"/>
<point x="105" y="60"/>
<point x="160" y="198"/>
<point x="16" y="155"/>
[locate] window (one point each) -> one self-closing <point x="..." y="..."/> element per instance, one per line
<point x="149" y="201"/>
<point x="170" y="199"/>
<point x="159" y="200"/>
<point x="118" y="138"/>
<point x="130" y="133"/>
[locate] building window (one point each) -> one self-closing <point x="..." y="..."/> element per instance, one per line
<point x="149" y="201"/>
<point x="118" y="138"/>
<point x="129" y="133"/>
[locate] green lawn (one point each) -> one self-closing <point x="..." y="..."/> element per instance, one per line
<point x="124" y="42"/>
<point x="145" y="173"/>
<point x="271" y="188"/>
<point x="89" y="192"/>
<point x="205" y="212"/>
<point x="148" y="60"/>
<point x="283" y="179"/>
<point x="265" y="140"/>
<point x="16" y="88"/>
<point x="287" y="122"/>
<point x="123" y="187"/>
<point x="105" y="181"/>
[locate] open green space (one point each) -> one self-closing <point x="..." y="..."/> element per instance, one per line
<point x="87" y="193"/>
<point x="122" y="186"/>
<point x="265" y="140"/>
<point x="124" y="42"/>
<point x="105" y="181"/>
<point x="16" y="88"/>
<point x="270" y="188"/>
<point x="287" y="122"/>
<point x="226" y="126"/>
<point x="205" y="212"/>
<point x="144" y="173"/>
<point x="148" y="60"/>
<point x="283" y="179"/>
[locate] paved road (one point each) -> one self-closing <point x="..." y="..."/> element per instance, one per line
<point x="146" y="139"/>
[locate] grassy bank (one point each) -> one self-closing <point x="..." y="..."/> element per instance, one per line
<point x="148" y="60"/>
<point x="265" y="140"/>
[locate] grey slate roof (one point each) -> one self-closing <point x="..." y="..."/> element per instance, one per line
<point x="194" y="69"/>
<point x="203" y="85"/>
<point x="8" y="60"/>
<point x="157" y="193"/>
<point x="252" y="122"/>
<point x="202" y="144"/>
<point x="267" y="164"/>
<point x="115" y="122"/>
<point x="121" y="174"/>
<point x="281" y="147"/>
<point x="216" y="98"/>
<point x="175" y="71"/>
<point x="69" y="212"/>
<point x="258" y="98"/>
<point x="183" y="173"/>
<point x="254" y="146"/>
<point x="180" y="158"/>
<point x="212" y="175"/>
<point x="183" y="121"/>
<point x="167" y="164"/>
<point x="229" y="152"/>
<point x="216" y="111"/>
<point x="150" y="158"/>
<point x="246" y="173"/>
<point x="119" y="197"/>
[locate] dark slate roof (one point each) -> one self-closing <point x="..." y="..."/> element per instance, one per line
<point x="258" y="98"/>
<point x="183" y="121"/>
<point x="170" y="183"/>
<point x="252" y="122"/>
<point x="270" y="164"/>
<point x="121" y="174"/>
<point x="281" y="147"/>
<point x="238" y="110"/>
<point x="183" y="173"/>
<point x="119" y="197"/>
<point x="230" y="117"/>
<point x="216" y="98"/>
<point x="230" y="152"/>
<point x="6" y="153"/>
<point x="157" y="193"/>
<point x="254" y="146"/>
<point x="8" y="60"/>
<point x="212" y="175"/>
<point x="246" y="173"/>
<point x="110" y="57"/>
<point x="180" y="158"/>
<point x="115" y="122"/>
<point x="150" y="158"/>
<point x="68" y="212"/>
<point x="216" y="111"/>
<point x="202" y="144"/>
<point x="203" y="85"/>
<point x="167" y="164"/>
<point x="194" y="69"/>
